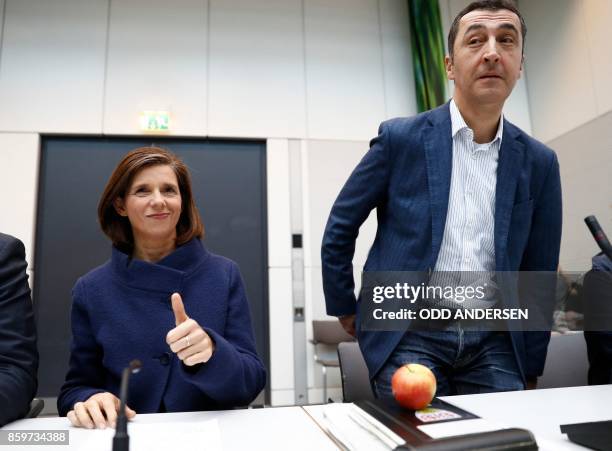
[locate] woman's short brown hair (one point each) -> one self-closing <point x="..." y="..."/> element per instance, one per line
<point x="117" y="227"/>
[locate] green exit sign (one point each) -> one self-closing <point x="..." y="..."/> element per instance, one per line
<point x="155" y="121"/>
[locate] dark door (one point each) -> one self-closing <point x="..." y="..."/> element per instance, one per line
<point x="229" y="183"/>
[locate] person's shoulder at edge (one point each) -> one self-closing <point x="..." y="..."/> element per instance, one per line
<point x="602" y="263"/>
<point x="6" y="240"/>
<point x="13" y="255"/>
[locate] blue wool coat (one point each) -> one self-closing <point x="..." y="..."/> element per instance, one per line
<point x="121" y="311"/>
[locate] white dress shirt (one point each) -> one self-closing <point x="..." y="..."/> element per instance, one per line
<point x="468" y="240"/>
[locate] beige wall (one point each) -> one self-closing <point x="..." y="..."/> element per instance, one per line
<point x="569" y="63"/>
<point x="569" y="70"/>
<point x="585" y="157"/>
<point x="19" y="156"/>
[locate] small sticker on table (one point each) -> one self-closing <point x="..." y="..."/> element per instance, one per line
<point x="431" y="414"/>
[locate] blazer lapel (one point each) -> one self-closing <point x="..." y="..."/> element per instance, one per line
<point x="508" y="170"/>
<point x="439" y="158"/>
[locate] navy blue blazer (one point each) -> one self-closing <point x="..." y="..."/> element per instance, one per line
<point x="406" y="177"/>
<point x="121" y="311"/>
<point x="18" y="354"/>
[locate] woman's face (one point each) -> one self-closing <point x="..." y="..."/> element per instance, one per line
<point x="152" y="204"/>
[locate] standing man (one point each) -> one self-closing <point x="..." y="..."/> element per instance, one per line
<point x="457" y="188"/>
<point x="18" y="354"/>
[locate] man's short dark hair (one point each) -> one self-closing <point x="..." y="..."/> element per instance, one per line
<point x="488" y="5"/>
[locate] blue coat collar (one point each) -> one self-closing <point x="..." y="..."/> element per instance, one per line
<point x="164" y="276"/>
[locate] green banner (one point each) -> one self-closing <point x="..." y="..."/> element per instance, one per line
<point x="427" y="53"/>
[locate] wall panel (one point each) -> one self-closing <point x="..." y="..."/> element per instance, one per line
<point x="256" y="84"/>
<point x="598" y="16"/>
<point x="329" y="165"/>
<point x="281" y="375"/>
<point x="279" y="203"/>
<point x="2" y="4"/>
<point x="344" y="76"/>
<point x="400" y="99"/>
<point x="559" y="74"/>
<point x="585" y="159"/>
<point x="156" y="61"/>
<point x="19" y="153"/>
<point x="52" y="65"/>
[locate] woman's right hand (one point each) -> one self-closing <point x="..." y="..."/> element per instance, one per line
<point x="99" y="411"/>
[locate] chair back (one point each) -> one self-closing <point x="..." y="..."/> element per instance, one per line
<point x="567" y="364"/>
<point x="36" y="406"/>
<point x="329" y="333"/>
<point x="355" y="376"/>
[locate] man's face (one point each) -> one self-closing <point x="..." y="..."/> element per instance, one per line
<point x="487" y="59"/>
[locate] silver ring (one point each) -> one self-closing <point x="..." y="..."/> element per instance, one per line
<point x="188" y="341"/>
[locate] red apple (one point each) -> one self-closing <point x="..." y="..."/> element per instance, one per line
<point x="413" y="385"/>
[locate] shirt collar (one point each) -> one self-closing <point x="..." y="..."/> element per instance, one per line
<point x="458" y="123"/>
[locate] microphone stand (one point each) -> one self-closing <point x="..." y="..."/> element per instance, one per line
<point x="121" y="440"/>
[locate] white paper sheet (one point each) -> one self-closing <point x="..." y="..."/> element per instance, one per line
<point x="461" y="427"/>
<point x="356" y="430"/>
<point x="167" y="436"/>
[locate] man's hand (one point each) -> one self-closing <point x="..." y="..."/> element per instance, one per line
<point x="188" y="340"/>
<point x="348" y="323"/>
<point x="99" y="411"/>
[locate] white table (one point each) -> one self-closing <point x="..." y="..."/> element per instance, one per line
<point x="542" y="411"/>
<point x="281" y="428"/>
<point x="269" y="429"/>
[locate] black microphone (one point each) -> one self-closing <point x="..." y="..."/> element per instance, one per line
<point x="121" y="440"/>
<point x="600" y="237"/>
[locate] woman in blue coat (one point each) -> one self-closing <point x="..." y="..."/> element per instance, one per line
<point x="163" y="299"/>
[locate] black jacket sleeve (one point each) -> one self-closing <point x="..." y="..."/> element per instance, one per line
<point x="18" y="354"/>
